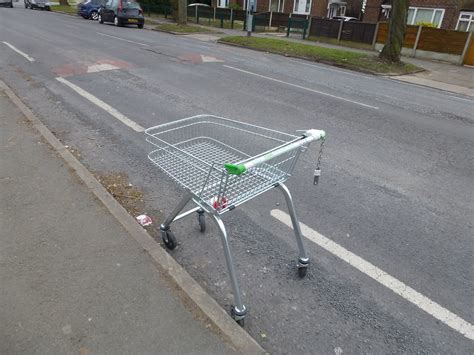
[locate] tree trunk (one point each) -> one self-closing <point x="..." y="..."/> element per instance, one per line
<point x="182" y="12"/>
<point x="397" y="25"/>
<point x="63" y="3"/>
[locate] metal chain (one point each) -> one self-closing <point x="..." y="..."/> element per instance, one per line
<point x="318" y="164"/>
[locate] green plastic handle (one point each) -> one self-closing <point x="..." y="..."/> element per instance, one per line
<point x="235" y="169"/>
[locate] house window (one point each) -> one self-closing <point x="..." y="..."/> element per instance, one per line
<point x="466" y="21"/>
<point x="302" y="6"/>
<point x="386" y="10"/>
<point x="418" y="15"/>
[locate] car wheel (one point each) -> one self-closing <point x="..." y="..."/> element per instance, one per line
<point x="140" y="25"/>
<point x="94" y="15"/>
<point x="117" y="22"/>
<point x="48" y="8"/>
<point x="99" y="18"/>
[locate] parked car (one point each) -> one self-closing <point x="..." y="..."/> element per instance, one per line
<point x="37" y="4"/>
<point x="345" y="18"/>
<point x="89" y="9"/>
<point x="122" y="12"/>
<point x="6" y="3"/>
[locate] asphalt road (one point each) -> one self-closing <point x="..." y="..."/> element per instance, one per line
<point x="396" y="189"/>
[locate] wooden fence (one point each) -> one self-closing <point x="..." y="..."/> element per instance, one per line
<point x="347" y="31"/>
<point x="432" y="43"/>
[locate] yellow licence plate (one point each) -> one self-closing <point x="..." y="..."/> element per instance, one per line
<point x="132" y="20"/>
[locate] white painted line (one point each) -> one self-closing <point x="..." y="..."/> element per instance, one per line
<point x="106" y="107"/>
<point x="31" y="59"/>
<point x="326" y="67"/>
<point x="95" y="68"/>
<point x="123" y="39"/>
<point x="301" y="87"/>
<point x="209" y="59"/>
<point x="447" y="317"/>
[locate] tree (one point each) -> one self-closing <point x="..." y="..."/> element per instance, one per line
<point x="180" y="13"/>
<point x="63" y="3"/>
<point x="397" y="25"/>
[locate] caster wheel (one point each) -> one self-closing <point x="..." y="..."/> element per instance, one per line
<point x="302" y="271"/>
<point x="202" y="222"/>
<point x="240" y="321"/>
<point x="170" y="240"/>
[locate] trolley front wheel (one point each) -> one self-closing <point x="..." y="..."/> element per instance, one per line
<point x="169" y="239"/>
<point x="202" y="222"/>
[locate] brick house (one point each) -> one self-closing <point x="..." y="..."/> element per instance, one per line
<point x="447" y="14"/>
<point x="318" y="8"/>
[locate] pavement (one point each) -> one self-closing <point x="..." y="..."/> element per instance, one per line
<point x="388" y="229"/>
<point x="73" y="280"/>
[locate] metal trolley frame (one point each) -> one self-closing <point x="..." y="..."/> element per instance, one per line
<point x="222" y="164"/>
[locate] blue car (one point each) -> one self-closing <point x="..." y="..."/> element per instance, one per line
<point x="89" y="9"/>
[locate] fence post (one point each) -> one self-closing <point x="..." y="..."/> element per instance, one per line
<point x="310" y="22"/>
<point x="466" y="47"/>
<point x="289" y="27"/>
<point x="418" y="35"/>
<point x="374" y="40"/>
<point x="214" y="14"/>
<point x="270" y="21"/>
<point x="341" y="24"/>
<point x="196" y="14"/>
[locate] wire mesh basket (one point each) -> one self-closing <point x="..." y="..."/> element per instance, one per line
<point x="193" y="152"/>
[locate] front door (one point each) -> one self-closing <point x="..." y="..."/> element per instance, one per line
<point x="302" y="7"/>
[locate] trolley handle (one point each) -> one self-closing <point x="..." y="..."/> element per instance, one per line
<point x="308" y="136"/>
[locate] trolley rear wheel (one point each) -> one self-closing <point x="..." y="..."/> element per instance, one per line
<point x="170" y="240"/>
<point x="302" y="271"/>
<point x="239" y="319"/>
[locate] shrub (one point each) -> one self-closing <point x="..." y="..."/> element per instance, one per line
<point x="426" y="24"/>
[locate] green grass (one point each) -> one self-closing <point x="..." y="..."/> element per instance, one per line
<point x="346" y="59"/>
<point x="63" y="8"/>
<point x="171" y="27"/>
<point x="334" y="41"/>
<point x="217" y="23"/>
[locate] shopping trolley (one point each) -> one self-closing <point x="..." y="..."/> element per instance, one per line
<point x="221" y="164"/>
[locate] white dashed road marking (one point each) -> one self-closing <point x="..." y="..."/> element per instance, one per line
<point x="106" y="107"/>
<point x="301" y="87"/>
<point x="123" y="39"/>
<point x="31" y="59"/>
<point x="447" y="317"/>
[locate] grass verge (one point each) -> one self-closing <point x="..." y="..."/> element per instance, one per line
<point x="62" y="8"/>
<point x="238" y="25"/>
<point x="344" y="43"/>
<point x="175" y="28"/>
<point x="341" y="58"/>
